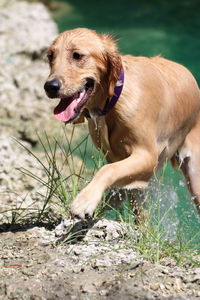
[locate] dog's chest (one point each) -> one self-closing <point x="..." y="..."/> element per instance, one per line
<point x="114" y="145"/>
<point x="100" y="136"/>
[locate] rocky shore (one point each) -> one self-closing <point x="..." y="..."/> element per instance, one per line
<point x="39" y="263"/>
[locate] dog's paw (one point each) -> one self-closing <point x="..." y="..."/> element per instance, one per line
<point x="84" y="205"/>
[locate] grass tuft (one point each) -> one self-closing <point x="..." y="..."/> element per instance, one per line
<point x="65" y="172"/>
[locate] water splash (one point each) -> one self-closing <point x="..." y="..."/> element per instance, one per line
<point x="162" y="201"/>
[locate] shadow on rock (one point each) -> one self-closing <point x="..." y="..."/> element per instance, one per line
<point x="77" y="232"/>
<point x="16" y="227"/>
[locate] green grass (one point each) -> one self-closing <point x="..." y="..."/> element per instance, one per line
<point x="155" y="244"/>
<point x="66" y="174"/>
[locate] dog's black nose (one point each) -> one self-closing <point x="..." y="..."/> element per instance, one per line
<point x="52" y="87"/>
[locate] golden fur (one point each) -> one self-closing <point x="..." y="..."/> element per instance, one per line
<point x="156" y="118"/>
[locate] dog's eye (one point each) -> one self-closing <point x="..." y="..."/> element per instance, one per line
<point x="77" y="56"/>
<point x="50" y="56"/>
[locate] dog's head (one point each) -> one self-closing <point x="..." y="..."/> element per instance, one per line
<point x="81" y="63"/>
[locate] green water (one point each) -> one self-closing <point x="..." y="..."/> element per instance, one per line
<point x="145" y="27"/>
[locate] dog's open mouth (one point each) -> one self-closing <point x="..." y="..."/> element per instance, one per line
<point x="69" y="108"/>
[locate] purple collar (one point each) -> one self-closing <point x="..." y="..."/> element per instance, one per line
<point x="117" y="92"/>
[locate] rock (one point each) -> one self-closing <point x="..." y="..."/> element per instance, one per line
<point x="105" y="230"/>
<point x="178" y="283"/>
<point x="88" y="288"/>
<point x="26" y="32"/>
<point x="162" y="286"/>
<point x="154" y="286"/>
<point x="63" y="227"/>
<point x="16" y="189"/>
<point x="25" y="29"/>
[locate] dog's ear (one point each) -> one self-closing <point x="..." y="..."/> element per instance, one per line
<point x="113" y="62"/>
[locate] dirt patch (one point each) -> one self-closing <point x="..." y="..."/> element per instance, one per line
<point x="100" y="267"/>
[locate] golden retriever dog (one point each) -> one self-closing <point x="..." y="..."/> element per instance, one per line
<point x="141" y="112"/>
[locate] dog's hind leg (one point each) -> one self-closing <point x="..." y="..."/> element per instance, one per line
<point x="189" y="156"/>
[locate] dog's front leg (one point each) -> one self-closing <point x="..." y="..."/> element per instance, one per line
<point x="134" y="171"/>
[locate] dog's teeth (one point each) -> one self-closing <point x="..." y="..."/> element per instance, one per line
<point x="81" y="94"/>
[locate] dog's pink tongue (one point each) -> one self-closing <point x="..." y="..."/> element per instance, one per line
<point x="64" y="111"/>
